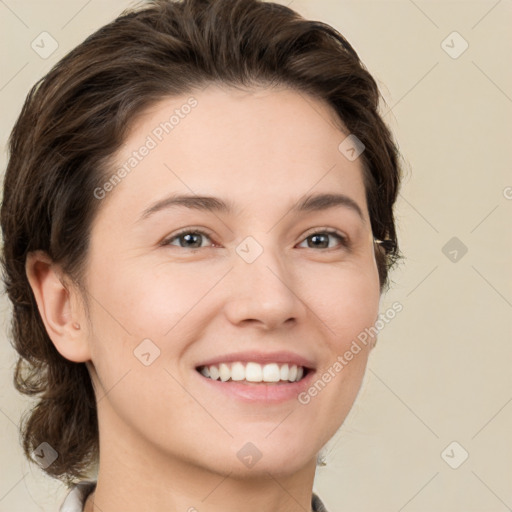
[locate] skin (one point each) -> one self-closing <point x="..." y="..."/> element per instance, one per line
<point x="168" y="441"/>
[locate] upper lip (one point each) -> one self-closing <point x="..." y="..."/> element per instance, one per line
<point x="261" y="358"/>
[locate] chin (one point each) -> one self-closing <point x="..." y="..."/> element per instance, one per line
<point x="278" y="456"/>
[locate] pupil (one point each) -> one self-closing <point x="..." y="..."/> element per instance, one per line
<point x="188" y="236"/>
<point x="316" y="237"/>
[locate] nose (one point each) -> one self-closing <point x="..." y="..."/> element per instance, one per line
<point x="263" y="293"/>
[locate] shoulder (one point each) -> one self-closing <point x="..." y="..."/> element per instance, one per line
<point x="75" y="499"/>
<point x="317" y="505"/>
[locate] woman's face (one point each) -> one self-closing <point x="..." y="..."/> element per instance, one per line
<point x="263" y="282"/>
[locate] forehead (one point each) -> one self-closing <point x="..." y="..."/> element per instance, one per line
<point x="247" y="146"/>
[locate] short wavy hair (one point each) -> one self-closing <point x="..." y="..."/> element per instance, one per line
<point x="76" y="117"/>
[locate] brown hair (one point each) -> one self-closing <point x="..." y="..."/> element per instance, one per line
<point x="75" y="118"/>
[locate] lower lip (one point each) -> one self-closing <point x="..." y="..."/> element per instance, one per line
<point x="261" y="391"/>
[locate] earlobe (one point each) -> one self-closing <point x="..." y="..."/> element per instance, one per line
<point x="58" y="307"/>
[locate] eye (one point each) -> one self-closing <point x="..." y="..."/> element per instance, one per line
<point x="320" y="239"/>
<point x="191" y="239"/>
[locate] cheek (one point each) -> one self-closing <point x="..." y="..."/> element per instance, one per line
<point x="347" y="303"/>
<point x="345" y="300"/>
<point x="147" y="316"/>
<point x="152" y="301"/>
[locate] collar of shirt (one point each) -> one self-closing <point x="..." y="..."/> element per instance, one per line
<point x="75" y="499"/>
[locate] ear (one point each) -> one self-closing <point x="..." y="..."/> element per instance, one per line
<point x="58" y="305"/>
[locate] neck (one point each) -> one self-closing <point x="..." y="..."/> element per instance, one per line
<point x="144" y="477"/>
<point x="119" y="491"/>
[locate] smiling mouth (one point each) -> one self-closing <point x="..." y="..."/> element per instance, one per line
<point x="253" y="373"/>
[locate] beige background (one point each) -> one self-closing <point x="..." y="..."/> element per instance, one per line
<point x="441" y="370"/>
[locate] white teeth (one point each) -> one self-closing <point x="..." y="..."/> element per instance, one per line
<point x="271" y="373"/>
<point x="237" y="371"/>
<point x="224" y="372"/>
<point x="253" y="372"/>
<point x="214" y="372"/>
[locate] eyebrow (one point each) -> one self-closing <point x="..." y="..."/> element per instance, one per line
<point x="310" y="203"/>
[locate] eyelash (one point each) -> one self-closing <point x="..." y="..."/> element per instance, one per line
<point x="344" y="242"/>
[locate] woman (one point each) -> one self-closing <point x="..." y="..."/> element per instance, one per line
<point x="198" y="225"/>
